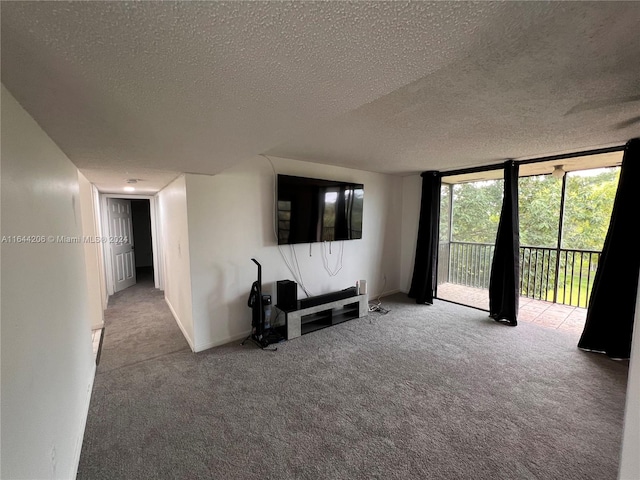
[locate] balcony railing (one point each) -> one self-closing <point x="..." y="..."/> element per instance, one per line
<point x="556" y="275"/>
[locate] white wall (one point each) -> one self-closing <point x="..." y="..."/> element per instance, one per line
<point x="92" y="254"/>
<point x="47" y="360"/>
<point x="172" y="206"/>
<point x="231" y="219"/>
<point x="411" y="198"/>
<point x="630" y="457"/>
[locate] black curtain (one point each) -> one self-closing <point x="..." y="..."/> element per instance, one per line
<point x="611" y="309"/>
<point x="423" y="283"/>
<point x="503" y="283"/>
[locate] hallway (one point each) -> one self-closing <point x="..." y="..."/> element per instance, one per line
<point x="139" y="327"/>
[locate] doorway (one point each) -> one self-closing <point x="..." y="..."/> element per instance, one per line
<point x="132" y="249"/>
<point x="142" y="240"/>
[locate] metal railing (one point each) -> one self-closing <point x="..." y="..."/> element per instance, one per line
<point x="556" y="275"/>
<point x="468" y="263"/>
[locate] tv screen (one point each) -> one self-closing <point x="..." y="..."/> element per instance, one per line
<point x="313" y="210"/>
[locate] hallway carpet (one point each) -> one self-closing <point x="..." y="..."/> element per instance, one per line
<point x="424" y="392"/>
<point x="138" y="327"/>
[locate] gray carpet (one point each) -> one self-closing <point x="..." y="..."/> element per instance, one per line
<point x="138" y="327"/>
<point x="438" y="392"/>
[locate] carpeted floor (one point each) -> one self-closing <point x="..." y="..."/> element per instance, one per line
<point x="424" y="392"/>
<point x="138" y="327"/>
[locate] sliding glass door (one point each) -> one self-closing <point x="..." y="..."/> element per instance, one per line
<point x="471" y="212"/>
<point x="563" y="222"/>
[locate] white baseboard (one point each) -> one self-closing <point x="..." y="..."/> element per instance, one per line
<point x="182" y="329"/>
<point x="223" y="341"/>
<point x="83" y="423"/>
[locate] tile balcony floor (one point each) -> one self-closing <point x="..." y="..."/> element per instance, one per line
<point x="552" y="315"/>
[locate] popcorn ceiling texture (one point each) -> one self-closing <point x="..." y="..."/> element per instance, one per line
<point x="383" y="86"/>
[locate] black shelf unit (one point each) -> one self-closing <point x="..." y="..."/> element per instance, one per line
<point x="316" y="321"/>
<point x="326" y="318"/>
<point x="306" y="320"/>
<point x="348" y="312"/>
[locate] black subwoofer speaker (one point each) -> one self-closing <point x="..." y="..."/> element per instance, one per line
<point x="287" y="295"/>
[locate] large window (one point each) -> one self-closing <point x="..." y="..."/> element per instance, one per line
<point x="564" y="273"/>
<point x="563" y="224"/>
<point x="539" y="205"/>
<point x="588" y="205"/>
<point x="465" y="254"/>
<point x="476" y="211"/>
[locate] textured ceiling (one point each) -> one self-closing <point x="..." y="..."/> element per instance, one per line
<point x="135" y="89"/>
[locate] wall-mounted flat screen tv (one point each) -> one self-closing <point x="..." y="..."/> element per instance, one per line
<point x="313" y="210"/>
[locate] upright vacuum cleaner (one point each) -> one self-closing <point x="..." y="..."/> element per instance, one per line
<point x="261" y="332"/>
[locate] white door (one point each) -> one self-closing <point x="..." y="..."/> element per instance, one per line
<point x="121" y="241"/>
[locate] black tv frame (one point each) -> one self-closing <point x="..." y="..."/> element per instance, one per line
<point x="301" y="210"/>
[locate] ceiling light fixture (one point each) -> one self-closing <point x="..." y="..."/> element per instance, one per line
<point x="558" y="172"/>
